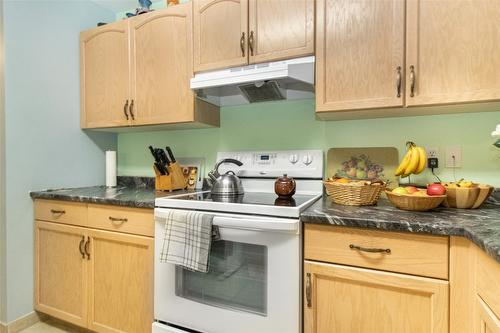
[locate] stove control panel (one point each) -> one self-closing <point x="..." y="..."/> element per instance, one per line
<point x="263" y="164"/>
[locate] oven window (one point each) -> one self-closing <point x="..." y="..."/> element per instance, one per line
<point x="237" y="278"/>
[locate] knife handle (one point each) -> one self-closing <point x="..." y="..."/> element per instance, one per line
<point x="172" y="158"/>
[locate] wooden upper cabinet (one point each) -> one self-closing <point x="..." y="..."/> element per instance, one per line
<point x="359" y="54"/>
<point x="104" y="71"/>
<point x="61" y="272"/>
<point x="220" y="34"/>
<point x="280" y="29"/>
<point x="345" y="299"/>
<point x="120" y="282"/>
<point x="162" y="65"/>
<point x="454" y="48"/>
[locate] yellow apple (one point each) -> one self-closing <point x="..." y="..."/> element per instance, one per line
<point x="400" y="190"/>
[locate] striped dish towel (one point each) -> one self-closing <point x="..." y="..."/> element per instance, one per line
<point x="187" y="239"/>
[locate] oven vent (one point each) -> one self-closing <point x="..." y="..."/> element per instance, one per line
<point x="262" y="91"/>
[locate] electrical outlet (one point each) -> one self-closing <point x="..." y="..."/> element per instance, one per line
<point x="432" y="152"/>
<point x="454" y="157"/>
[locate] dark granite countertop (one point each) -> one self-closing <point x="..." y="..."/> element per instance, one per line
<point x="482" y="226"/>
<point x="130" y="192"/>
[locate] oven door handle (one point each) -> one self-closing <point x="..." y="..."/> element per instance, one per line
<point x="280" y="225"/>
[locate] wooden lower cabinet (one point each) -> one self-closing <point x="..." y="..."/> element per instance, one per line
<point x="60" y="272"/>
<point x="486" y="321"/>
<point x="96" y="279"/>
<point x="344" y="299"/>
<point x="120" y="282"/>
<point x="475" y="289"/>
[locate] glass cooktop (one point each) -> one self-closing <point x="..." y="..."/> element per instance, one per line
<point x="250" y="198"/>
<point x="261" y="203"/>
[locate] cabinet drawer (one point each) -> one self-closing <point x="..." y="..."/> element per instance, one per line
<point x="74" y="213"/>
<point x="136" y="221"/>
<point x="406" y="253"/>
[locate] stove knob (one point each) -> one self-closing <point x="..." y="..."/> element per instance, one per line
<point x="307" y="159"/>
<point x="293" y="158"/>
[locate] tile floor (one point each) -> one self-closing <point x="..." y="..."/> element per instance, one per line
<point x="49" y="327"/>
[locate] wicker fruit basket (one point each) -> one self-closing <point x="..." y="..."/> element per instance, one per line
<point x="415" y="203"/>
<point x="354" y="193"/>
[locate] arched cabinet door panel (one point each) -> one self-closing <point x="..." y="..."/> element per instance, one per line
<point x="104" y="76"/>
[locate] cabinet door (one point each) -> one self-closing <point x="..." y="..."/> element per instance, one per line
<point x="454" y="47"/>
<point x="104" y="75"/>
<point x="359" y="54"/>
<point x="120" y="282"/>
<point x="280" y="29"/>
<point x="61" y="272"/>
<point x="343" y="299"/>
<point x="161" y="44"/>
<point x="220" y="34"/>
<point x="486" y="321"/>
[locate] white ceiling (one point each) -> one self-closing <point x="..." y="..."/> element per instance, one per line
<point x="119" y="5"/>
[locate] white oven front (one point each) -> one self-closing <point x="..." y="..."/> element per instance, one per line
<point x="253" y="284"/>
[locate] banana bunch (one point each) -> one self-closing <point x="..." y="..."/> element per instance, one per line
<point x="414" y="161"/>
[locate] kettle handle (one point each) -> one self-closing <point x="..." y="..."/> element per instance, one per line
<point x="227" y="160"/>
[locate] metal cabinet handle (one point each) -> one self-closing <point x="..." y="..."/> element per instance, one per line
<point x="56" y="211"/>
<point x="369" y="249"/>
<point x="309" y="290"/>
<point x="242" y="44"/>
<point x="125" y="109"/>
<point x="398" y="82"/>
<point x="87" y="244"/>
<point x="117" y="219"/>
<point x="132" y="110"/>
<point x="80" y="247"/>
<point x="251" y="42"/>
<point x="413" y="79"/>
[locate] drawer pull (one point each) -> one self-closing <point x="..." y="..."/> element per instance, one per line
<point x="116" y="219"/>
<point x="56" y="211"/>
<point x="369" y="249"/>
<point x="80" y="247"/>
<point x="309" y="291"/>
<point x="87" y="244"/>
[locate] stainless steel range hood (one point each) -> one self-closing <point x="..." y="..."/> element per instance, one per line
<point x="287" y="79"/>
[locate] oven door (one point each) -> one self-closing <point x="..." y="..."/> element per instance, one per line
<point x="253" y="284"/>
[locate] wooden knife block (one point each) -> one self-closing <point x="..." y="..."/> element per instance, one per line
<point x="173" y="181"/>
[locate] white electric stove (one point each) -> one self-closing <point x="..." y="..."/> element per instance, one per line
<point x="253" y="284"/>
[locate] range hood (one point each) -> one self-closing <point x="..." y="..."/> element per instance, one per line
<point x="287" y="79"/>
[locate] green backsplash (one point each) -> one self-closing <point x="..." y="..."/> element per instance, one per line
<point x="292" y="125"/>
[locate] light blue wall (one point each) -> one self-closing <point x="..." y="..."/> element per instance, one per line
<point x="3" y="287"/>
<point x="45" y="147"/>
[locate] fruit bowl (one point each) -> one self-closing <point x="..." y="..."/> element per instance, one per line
<point x="467" y="197"/>
<point x="414" y="202"/>
<point x="354" y="193"/>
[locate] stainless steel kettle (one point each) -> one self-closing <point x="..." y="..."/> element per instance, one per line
<point x="227" y="184"/>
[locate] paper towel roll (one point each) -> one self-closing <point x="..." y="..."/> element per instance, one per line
<point x="110" y="168"/>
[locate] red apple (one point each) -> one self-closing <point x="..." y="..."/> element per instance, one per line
<point x="411" y="189"/>
<point x="436" y="189"/>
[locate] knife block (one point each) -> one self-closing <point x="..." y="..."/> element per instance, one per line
<point x="173" y="181"/>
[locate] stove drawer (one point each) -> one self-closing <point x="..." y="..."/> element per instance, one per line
<point x="66" y="212"/>
<point x="137" y="221"/>
<point x="382" y="250"/>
